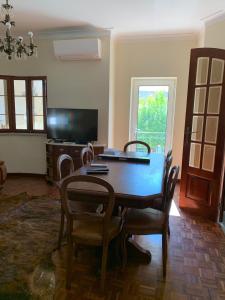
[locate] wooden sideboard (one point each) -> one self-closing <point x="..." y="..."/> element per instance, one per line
<point x="54" y="150"/>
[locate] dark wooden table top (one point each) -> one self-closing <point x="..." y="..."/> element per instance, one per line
<point x="135" y="184"/>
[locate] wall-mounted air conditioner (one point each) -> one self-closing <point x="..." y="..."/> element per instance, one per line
<point x="78" y="49"/>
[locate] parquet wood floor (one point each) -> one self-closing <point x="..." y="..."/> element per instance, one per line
<point x="195" y="270"/>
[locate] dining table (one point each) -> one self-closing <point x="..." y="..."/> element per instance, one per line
<point x="136" y="185"/>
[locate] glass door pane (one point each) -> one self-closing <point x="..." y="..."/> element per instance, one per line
<point x="202" y="70"/>
<point x="37" y="105"/>
<point x="152" y="116"/>
<point x="4" y="116"/>
<point x="206" y="110"/>
<point x="195" y="155"/>
<point x="217" y="71"/>
<point x="215" y="93"/>
<point x="208" y="158"/>
<point x="199" y="100"/>
<point x="20" y="104"/>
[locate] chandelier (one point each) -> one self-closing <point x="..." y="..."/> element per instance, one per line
<point x="14" y="46"/>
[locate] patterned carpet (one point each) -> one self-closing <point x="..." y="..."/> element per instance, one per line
<point x="28" y="234"/>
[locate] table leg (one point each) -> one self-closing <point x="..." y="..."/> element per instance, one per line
<point x="138" y="252"/>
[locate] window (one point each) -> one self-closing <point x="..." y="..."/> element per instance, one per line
<point x="23" y="104"/>
<point x="152" y="111"/>
<point x="4" y="116"/>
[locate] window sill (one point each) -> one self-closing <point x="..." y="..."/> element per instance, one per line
<point x="23" y="134"/>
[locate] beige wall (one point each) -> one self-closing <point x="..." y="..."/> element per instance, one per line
<point x="111" y="94"/>
<point x="164" y="57"/>
<point x="214" y="34"/>
<point x="81" y="84"/>
<point x="85" y="84"/>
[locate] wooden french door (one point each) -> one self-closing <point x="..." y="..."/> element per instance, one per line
<point x="203" y="149"/>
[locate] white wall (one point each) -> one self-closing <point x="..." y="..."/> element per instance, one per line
<point x="23" y="154"/>
<point x="151" y="57"/>
<point x="214" y="33"/>
<point x="81" y="84"/>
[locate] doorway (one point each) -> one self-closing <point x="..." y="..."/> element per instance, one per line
<point x="152" y="112"/>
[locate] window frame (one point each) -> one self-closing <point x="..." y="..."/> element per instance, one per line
<point x="136" y="82"/>
<point x="29" y="103"/>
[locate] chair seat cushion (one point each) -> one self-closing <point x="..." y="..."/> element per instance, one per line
<point x="144" y="221"/>
<point x="92" y="231"/>
<point x="83" y="206"/>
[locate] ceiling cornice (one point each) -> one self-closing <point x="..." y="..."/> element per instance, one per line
<point x="75" y="32"/>
<point x="214" y="18"/>
<point x="155" y="36"/>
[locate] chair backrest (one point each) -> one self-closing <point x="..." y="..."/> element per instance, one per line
<point x="137" y="142"/>
<point x="86" y="156"/>
<point x="108" y="201"/>
<point x="168" y="163"/>
<point x="169" y="153"/>
<point x="90" y="145"/>
<point x="61" y="159"/>
<point x="170" y="187"/>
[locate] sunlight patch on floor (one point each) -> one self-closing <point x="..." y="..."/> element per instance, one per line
<point x="174" y="210"/>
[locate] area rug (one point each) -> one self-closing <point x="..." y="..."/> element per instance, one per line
<point x="28" y="235"/>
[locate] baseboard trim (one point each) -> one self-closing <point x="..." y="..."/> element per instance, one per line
<point x="26" y="175"/>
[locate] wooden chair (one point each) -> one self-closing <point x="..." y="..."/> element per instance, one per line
<point x="169" y="154"/>
<point x="168" y="164"/>
<point x="137" y="142"/>
<point x="87" y="156"/>
<point x="90" y="145"/>
<point x="160" y="202"/>
<point x="62" y="158"/>
<point x="3" y="173"/>
<point x="146" y="221"/>
<point x="87" y="228"/>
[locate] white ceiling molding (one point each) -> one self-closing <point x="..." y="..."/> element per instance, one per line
<point x="214" y="18"/>
<point x="162" y="36"/>
<point x="74" y="32"/>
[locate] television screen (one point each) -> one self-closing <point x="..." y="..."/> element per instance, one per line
<point x="73" y="125"/>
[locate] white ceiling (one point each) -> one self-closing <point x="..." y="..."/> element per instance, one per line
<point x="123" y="16"/>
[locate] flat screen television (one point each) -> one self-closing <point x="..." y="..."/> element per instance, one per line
<point x="72" y="125"/>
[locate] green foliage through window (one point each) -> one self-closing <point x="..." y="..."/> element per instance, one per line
<point x="152" y="119"/>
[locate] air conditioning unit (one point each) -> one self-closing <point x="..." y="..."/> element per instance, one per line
<point x="78" y="49"/>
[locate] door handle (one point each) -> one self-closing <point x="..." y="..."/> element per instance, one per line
<point x="188" y="134"/>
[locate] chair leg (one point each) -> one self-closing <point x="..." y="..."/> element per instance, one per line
<point x="61" y="229"/>
<point x="76" y="250"/>
<point x="104" y="265"/>
<point x="124" y="249"/>
<point x="164" y="251"/>
<point x="168" y="230"/>
<point x="69" y="264"/>
<point x="117" y="249"/>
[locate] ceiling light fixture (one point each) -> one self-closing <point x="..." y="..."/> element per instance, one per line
<point x="10" y="46"/>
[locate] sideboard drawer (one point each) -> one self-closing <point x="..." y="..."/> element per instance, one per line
<point x="53" y="151"/>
